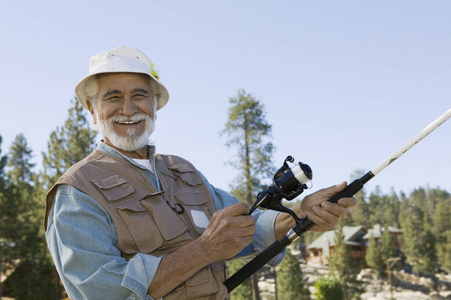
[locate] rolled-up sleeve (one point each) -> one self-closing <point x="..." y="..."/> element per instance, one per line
<point x="83" y="242"/>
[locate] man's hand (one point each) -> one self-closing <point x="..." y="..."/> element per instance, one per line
<point x="324" y="213"/>
<point x="316" y="207"/>
<point x="229" y="231"/>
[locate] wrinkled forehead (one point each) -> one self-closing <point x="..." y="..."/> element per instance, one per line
<point x="125" y="82"/>
<point x="123" y="79"/>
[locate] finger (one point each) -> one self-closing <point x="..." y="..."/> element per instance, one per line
<point x="225" y="223"/>
<point x="327" y="193"/>
<point x="341" y="186"/>
<point x="243" y="221"/>
<point x="325" y="215"/>
<point x="333" y="208"/>
<point x="235" y="210"/>
<point x="347" y="202"/>
<point x="320" y="224"/>
<point x="332" y="190"/>
<point x="245" y="231"/>
<point x="237" y="234"/>
<point x="239" y="209"/>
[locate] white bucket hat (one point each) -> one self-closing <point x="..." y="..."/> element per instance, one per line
<point x="122" y="59"/>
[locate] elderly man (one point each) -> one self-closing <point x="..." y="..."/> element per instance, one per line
<point x="126" y="223"/>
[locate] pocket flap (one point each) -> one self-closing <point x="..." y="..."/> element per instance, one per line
<point x="190" y="198"/>
<point x="181" y="168"/>
<point x="114" y="187"/>
<point x="132" y="206"/>
<point x="109" y="182"/>
<point x="186" y="174"/>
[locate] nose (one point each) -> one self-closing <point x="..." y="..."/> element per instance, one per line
<point x="129" y="108"/>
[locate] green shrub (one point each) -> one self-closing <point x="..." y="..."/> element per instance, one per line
<point x="329" y="288"/>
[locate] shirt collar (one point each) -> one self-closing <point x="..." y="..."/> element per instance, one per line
<point x="110" y="150"/>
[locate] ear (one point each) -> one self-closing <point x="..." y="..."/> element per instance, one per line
<point x="91" y="110"/>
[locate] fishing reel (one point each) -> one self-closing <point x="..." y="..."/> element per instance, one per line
<point x="288" y="183"/>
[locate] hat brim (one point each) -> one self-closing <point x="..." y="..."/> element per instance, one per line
<point x="80" y="88"/>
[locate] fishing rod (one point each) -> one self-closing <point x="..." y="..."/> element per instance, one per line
<point x="290" y="182"/>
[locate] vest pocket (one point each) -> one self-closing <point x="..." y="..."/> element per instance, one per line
<point x="201" y="277"/>
<point x="169" y="225"/>
<point x="218" y="266"/>
<point x="114" y="187"/>
<point x="200" y="286"/>
<point x="186" y="174"/>
<point x="220" y="270"/>
<point x="142" y="228"/>
<point x="196" y="208"/>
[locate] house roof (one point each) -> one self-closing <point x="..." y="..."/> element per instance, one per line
<point x="377" y="231"/>
<point x="351" y="233"/>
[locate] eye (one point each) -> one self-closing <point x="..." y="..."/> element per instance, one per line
<point x="113" y="99"/>
<point x="140" y="96"/>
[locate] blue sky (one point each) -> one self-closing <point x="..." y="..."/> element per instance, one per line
<point x="344" y="83"/>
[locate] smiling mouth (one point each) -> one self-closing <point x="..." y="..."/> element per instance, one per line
<point x="128" y="123"/>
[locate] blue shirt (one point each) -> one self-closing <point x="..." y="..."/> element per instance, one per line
<point x="83" y="242"/>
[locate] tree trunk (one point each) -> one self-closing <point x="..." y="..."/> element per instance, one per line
<point x="254" y="280"/>
<point x="255" y="290"/>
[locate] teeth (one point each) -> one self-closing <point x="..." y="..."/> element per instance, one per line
<point x="128" y="123"/>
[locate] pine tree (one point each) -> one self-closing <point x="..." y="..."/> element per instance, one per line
<point x="247" y="130"/>
<point x="3" y="183"/>
<point x="358" y="213"/>
<point x="373" y="256"/>
<point x="33" y="278"/>
<point x="344" y="266"/>
<point x="387" y="247"/>
<point x="442" y="229"/>
<point x="18" y="205"/>
<point x="376" y="207"/>
<point x="22" y="206"/>
<point x="419" y="240"/>
<point x="68" y="144"/>
<point x="5" y="238"/>
<point x="290" y="280"/>
<point x="428" y="260"/>
<point x="383" y="209"/>
<point x="446" y="257"/>
<point x="391" y="210"/>
<point x="421" y="206"/>
<point x="412" y="228"/>
<point x="2" y="166"/>
<point x="244" y="290"/>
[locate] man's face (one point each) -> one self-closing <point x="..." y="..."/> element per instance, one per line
<point x="125" y="109"/>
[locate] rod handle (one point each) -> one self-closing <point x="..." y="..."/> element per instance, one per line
<point x="257" y="263"/>
<point x="305" y="224"/>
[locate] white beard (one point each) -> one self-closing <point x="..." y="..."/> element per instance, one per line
<point x="131" y="142"/>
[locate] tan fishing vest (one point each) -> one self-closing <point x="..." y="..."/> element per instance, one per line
<point x="148" y="221"/>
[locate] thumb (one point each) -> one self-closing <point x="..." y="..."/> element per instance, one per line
<point x="330" y="191"/>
